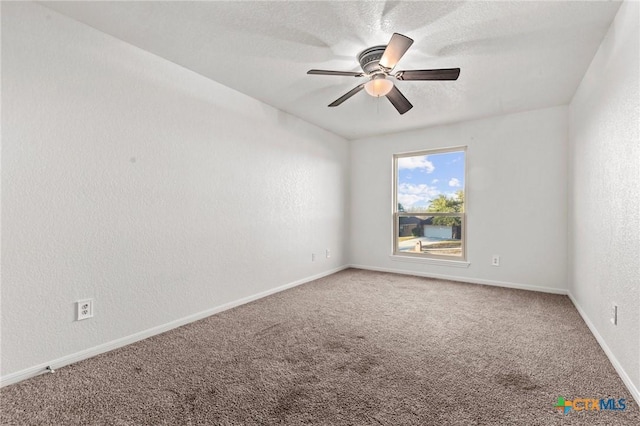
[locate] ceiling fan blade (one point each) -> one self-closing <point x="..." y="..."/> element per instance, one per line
<point x="441" y="74"/>
<point x="327" y="72"/>
<point x="347" y="95"/>
<point x="397" y="47"/>
<point x="399" y="101"/>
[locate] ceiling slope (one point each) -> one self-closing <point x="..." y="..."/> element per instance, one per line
<point x="514" y="56"/>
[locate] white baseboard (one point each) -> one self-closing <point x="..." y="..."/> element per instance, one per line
<point x="614" y="361"/>
<point x="114" y="344"/>
<point x="466" y="279"/>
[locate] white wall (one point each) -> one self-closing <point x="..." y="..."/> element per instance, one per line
<point x="156" y="191"/>
<point x="516" y="198"/>
<point x="604" y="194"/>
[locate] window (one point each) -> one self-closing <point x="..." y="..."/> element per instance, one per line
<point x="429" y="209"/>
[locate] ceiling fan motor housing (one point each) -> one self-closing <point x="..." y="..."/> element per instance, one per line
<point x="369" y="58"/>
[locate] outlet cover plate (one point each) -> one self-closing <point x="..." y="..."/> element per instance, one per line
<point x="84" y="309"/>
<point x="614" y="314"/>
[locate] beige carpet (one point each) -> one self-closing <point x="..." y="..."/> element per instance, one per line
<point x="354" y="348"/>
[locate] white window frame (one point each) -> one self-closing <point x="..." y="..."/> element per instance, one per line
<point x="459" y="261"/>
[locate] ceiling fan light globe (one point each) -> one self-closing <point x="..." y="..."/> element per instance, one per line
<point x="378" y="87"/>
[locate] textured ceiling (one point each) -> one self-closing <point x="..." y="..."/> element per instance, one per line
<point x="514" y="56"/>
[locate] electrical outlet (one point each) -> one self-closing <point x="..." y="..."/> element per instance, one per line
<point x="313" y="257"/>
<point x="495" y="260"/>
<point x="328" y="253"/>
<point x="84" y="309"/>
<point x="614" y="314"/>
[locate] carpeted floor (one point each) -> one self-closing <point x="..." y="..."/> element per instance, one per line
<point x="357" y="347"/>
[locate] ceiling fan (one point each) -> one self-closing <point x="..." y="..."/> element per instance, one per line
<point x="377" y="63"/>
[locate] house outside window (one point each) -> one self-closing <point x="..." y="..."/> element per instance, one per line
<point x="429" y="199"/>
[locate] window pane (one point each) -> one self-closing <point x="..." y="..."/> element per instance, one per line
<point x="430" y="183"/>
<point x="440" y="236"/>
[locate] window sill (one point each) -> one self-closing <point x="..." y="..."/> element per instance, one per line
<point x="430" y="261"/>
